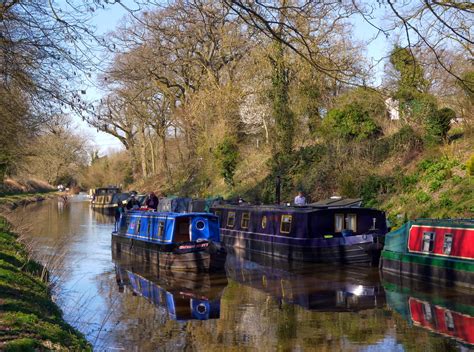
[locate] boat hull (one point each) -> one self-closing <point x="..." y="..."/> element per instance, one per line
<point x="353" y="249"/>
<point x="443" y="271"/>
<point x="196" y="257"/>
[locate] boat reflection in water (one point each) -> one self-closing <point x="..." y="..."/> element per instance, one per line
<point x="315" y="287"/>
<point x="443" y="311"/>
<point x="180" y="296"/>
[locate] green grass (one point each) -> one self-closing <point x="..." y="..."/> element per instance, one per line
<point x="10" y="198"/>
<point x="29" y="320"/>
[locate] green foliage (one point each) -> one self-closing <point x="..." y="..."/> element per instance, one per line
<point x="438" y="123"/>
<point x="375" y="185"/>
<point x="422" y="197"/>
<point x="351" y="122"/>
<point x="227" y="153"/>
<point x="22" y="345"/>
<point x="403" y="141"/>
<point x="411" y="74"/>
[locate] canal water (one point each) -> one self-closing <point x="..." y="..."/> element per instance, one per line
<point x="256" y="305"/>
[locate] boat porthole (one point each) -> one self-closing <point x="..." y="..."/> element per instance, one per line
<point x="200" y="225"/>
<point x="201" y="308"/>
<point x="364" y="237"/>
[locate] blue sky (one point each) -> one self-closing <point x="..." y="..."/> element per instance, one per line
<point x="107" y="20"/>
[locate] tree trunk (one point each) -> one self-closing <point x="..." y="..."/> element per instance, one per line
<point x="142" y="149"/>
<point x="164" y="150"/>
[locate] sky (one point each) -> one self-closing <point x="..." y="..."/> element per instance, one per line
<point x="107" y="20"/>
<point x="104" y="21"/>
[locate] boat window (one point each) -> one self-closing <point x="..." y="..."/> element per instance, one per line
<point x="351" y="222"/>
<point x="137" y="227"/>
<point x="148" y="229"/>
<point x="109" y="198"/>
<point x="427" y="312"/>
<point x="161" y="228"/>
<point x="285" y="226"/>
<point x="448" y="243"/>
<point x="244" y="223"/>
<point x="428" y="241"/>
<point x="218" y="214"/>
<point x="231" y="219"/>
<point x="448" y="317"/>
<point x="264" y="222"/>
<point x="338" y="222"/>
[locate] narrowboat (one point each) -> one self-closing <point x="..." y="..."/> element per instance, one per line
<point x="446" y="313"/>
<point x="315" y="287"/>
<point x="438" y="251"/>
<point x="106" y="199"/>
<point x="174" y="241"/>
<point x="190" y="296"/>
<point x="309" y="234"/>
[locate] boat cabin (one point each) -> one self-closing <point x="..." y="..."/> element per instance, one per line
<point x="301" y="222"/>
<point x="443" y="238"/>
<point x="104" y="195"/>
<point x="170" y="227"/>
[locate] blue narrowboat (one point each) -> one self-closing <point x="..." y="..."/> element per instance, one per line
<point x="180" y="298"/>
<point x="322" y="233"/>
<point x="173" y="241"/>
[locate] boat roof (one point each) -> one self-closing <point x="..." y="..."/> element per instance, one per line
<point x="168" y="214"/>
<point x="445" y="222"/>
<point x="338" y="202"/>
<point x="310" y="208"/>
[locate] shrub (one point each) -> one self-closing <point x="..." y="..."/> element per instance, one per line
<point x="422" y="197"/>
<point x="350" y="123"/>
<point x="375" y="185"/>
<point x="227" y="153"/>
<point x="438" y="123"/>
<point x="408" y="181"/>
<point x="445" y="201"/>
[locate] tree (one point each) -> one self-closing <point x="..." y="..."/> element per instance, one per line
<point x="433" y="25"/>
<point x="439" y="123"/>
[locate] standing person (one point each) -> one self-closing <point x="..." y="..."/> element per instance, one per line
<point x="152" y="201"/>
<point x="118" y="214"/>
<point x="300" y="199"/>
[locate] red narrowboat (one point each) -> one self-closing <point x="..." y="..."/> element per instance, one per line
<point x="439" y="251"/>
<point x="442" y="320"/>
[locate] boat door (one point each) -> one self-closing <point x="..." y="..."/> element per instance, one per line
<point x="181" y="229"/>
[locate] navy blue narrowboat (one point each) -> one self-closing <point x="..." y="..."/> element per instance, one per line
<point x="174" y="241"/>
<point x="316" y="287"/>
<point x="309" y="234"/>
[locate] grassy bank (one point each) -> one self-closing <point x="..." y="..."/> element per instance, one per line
<point x="14" y="200"/>
<point x="29" y="320"/>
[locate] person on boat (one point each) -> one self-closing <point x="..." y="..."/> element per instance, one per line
<point x="300" y="199"/>
<point x="152" y="201"/>
<point x="133" y="203"/>
<point x="118" y="214"/>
